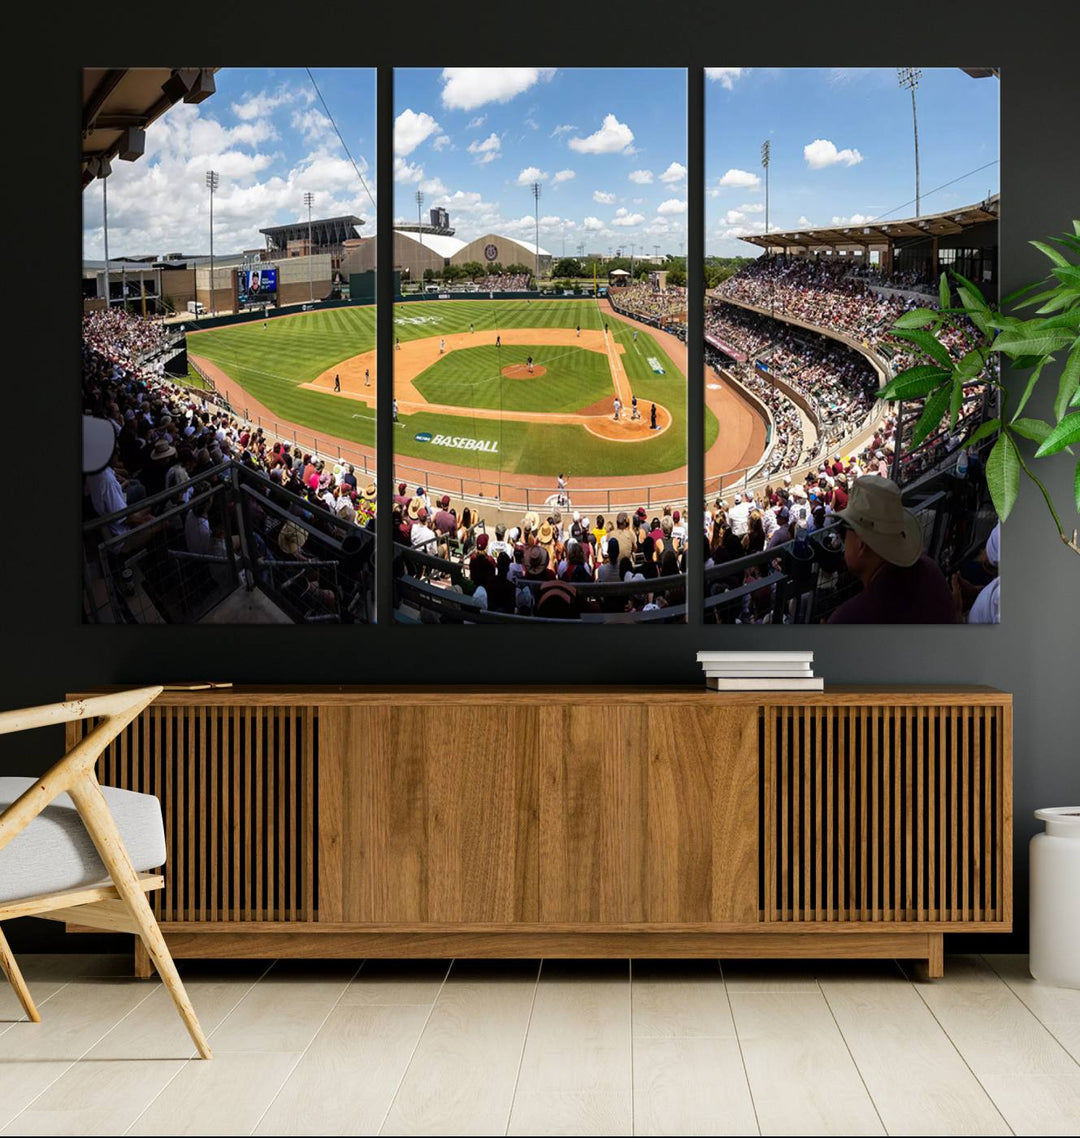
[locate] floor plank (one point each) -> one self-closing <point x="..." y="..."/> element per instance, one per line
<point x="34" y="1055"/>
<point x="1058" y="1009"/>
<point x="347" y="1078"/>
<point x="97" y="1097"/>
<point x="1038" y="1104"/>
<point x="285" y="1009"/>
<point x="679" y="998"/>
<point x="801" y="1076"/>
<point x="576" y="1071"/>
<point x="461" y="1079"/>
<point x="397" y="982"/>
<point x="227" y="1095"/>
<point x="916" y="1078"/>
<point x="691" y="1084"/>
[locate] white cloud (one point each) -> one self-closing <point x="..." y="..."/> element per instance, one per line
<point x="441" y="143"/>
<point x="734" y="216"/>
<point x="312" y="124"/>
<point x="260" y="105"/>
<point x="433" y="186"/>
<point x="821" y="153"/>
<point x="672" y="205"/>
<point x="603" y="198"/>
<point x="531" y="174"/>
<point x="406" y="171"/>
<point x="476" y="123"/>
<point x="592" y="223"/>
<point x="854" y="219"/>
<point x="411" y="129"/>
<point x="486" y="151"/>
<point x="467" y="87"/>
<point x="623" y="217"/>
<point x="641" y="177"/>
<point x="612" y="137"/>
<point x="563" y="176"/>
<point x="532" y="124"/>
<point x="676" y="172"/>
<point x="804" y="222"/>
<point x="736" y="231"/>
<point x="725" y="76"/>
<point x="561" y="129"/>
<point x="752" y="207"/>
<point x="742" y="179"/>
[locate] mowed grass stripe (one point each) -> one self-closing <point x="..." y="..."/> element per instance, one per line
<point x="472" y="377"/>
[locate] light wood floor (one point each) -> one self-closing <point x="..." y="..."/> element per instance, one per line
<point x="516" y="1047"/>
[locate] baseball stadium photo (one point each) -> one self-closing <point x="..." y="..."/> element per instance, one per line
<point x="539" y="346"/>
<point x="845" y="207"/>
<point x="224" y="480"/>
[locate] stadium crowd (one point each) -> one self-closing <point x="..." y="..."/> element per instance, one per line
<point x="537" y="567"/>
<point x="641" y="299"/>
<point x="504" y="282"/>
<point x="170" y="438"/>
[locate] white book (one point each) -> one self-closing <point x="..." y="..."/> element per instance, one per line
<point x="758" y="667"/>
<point x="736" y="673"/>
<point x="755" y="657"/>
<point x="765" y="684"/>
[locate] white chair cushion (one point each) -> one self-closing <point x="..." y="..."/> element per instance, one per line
<point x="55" y="852"/>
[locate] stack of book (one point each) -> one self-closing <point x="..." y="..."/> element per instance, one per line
<point x="760" y="671"/>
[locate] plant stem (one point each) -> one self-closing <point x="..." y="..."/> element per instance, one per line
<point x="1073" y="544"/>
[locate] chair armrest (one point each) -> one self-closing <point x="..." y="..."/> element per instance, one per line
<point x="116" y="703"/>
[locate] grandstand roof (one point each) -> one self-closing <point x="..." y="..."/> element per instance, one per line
<point x="883" y="232"/>
<point x="324" y="231"/>
<point x="117" y="100"/>
<point x="536" y="250"/>
<point x="440" y="244"/>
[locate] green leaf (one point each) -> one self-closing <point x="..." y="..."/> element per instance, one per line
<point x="955" y="402"/>
<point x="1028" y="340"/>
<point x="1068" y="274"/>
<point x="1068" y="241"/>
<point x="1046" y="294"/>
<point x="932" y="412"/>
<point x="972" y="363"/>
<point x="916" y="318"/>
<point x="1032" y="380"/>
<point x="1014" y="296"/>
<point x="1075" y="400"/>
<point x="1053" y="254"/>
<point x="1076" y="227"/>
<point x="1064" y="434"/>
<point x="943" y="291"/>
<point x="1063" y="298"/>
<point x="1068" y="384"/>
<point x="928" y="345"/>
<point x="914" y="382"/>
<point x="978" y="300"/>
<point x="1003" y="475"/>
<point x="1034" y="429"/>
<point x="984" y="431"/>
<point x="1076" y="487"/>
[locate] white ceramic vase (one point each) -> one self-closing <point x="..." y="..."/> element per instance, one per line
<point x="1055" y="899"/>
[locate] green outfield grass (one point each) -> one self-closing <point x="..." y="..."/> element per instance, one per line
<point x="472" y="377"/>
<point x="271" y="363"/>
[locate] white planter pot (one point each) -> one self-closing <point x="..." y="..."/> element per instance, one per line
<point x="1055" y="898"/>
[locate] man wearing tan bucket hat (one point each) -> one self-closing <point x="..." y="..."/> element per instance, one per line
<point x="883" y="547"/>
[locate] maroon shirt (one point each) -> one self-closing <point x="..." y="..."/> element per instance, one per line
<point x="916" y="595"/>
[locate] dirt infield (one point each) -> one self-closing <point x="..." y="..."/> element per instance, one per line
<point x="521" y="371"/>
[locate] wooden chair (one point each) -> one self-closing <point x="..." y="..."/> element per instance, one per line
<point x="56" y="875"/>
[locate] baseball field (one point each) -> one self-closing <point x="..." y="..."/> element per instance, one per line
<point x="464" y="390"/>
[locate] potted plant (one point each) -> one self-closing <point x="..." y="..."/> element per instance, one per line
<point x="1030" y="345"/>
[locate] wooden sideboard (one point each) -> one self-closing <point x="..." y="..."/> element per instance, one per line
<point x="590" y="821"/>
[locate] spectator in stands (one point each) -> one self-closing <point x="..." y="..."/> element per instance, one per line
<point x="883" y="549"/>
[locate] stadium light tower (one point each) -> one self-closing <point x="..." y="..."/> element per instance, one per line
<point x="212" y="181"/>
<point x="309" y="197"/>
<point x="765" y="154"/>
<point x="909" y="77"/>
<point x="419" y="207"/>
<point x="536" y="202"/>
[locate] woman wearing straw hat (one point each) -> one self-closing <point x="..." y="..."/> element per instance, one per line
<point x="883" y="547"/>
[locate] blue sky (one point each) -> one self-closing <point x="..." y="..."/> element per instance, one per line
<point x="266" y="133"/>
<point x="607" y="146"/>
<point x="841" y="147"/>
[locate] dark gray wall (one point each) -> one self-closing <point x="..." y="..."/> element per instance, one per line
<point x="46" y="651"/>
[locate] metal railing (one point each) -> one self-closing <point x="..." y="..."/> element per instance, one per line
<point x="139" y="567"/>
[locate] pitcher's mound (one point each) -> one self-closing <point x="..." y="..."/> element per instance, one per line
<point x="521" y="371"/>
